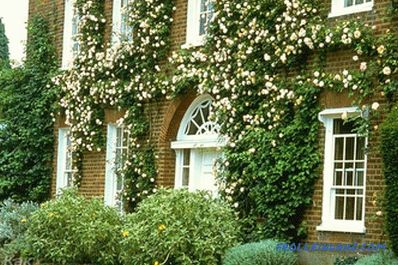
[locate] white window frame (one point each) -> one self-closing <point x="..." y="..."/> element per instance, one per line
<point x="61" y="181"/>
<point x="111" y="191"/>
<point x="193" y="37"/>
<point x="338" y="8"/>
<point x="68" y="38"/>
<point x="117" y="22"/>
<point x="195" y="143"/>
<point x="328" y="221"/>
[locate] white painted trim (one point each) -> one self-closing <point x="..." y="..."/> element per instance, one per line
<point x="328" y="222"/>
<point x="67" y="49"/>
<point x="61" y="159"/>
<point x="110" y="177"/>
<point x="338" y="8"/>
<point x="346" y="227"/>
<point x="219" y="142"/>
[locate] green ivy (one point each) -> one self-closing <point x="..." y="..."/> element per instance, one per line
<point x="26" y="139"/>
<point x="389" y="152"/>
<point x="4" y="52"/>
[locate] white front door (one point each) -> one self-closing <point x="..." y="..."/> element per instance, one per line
<point x="203" y="169"/>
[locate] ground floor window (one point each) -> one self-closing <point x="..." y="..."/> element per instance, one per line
<point x="65" y="170"/>
<point x="117" y="151"/>
<point x="197" y="148"/>
<point x="344" y="173"/>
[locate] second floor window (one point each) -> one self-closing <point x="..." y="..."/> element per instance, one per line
<point x="71" y="30"/>
<point x="345" y="7"/>
<point x="200" y="14"/>
<point x="121" y="28"/>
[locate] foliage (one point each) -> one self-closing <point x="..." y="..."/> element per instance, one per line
<point x="4" y="53"/>
<point x="179" y="227"/>
<point x="13" y="224"/>
<point x="346" y="261"/>
<point x="265" y="65"/>
<point x="264" y="62"/>
<point x="389" y="153"/>
<point x="378" y="259"/>
<point x="125" y="76"/>
<point x="13" y="219"/>
<point x="74" y="230"/>
<point x="26" y="139"/>
<point x="259" y="253"/>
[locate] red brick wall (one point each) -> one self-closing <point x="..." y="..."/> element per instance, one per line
<point x="165" y="118"/>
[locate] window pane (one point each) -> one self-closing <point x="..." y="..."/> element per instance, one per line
<point x="69" y="179"/>
<point x="118" y="137"/>
<point x="349" y="178"/>
<point x="350" y="206"/>
<point x="351" y="191"/>
<point x="125" y="138"/>
<point x="359" y="209"/>
<point x="340" y="191"/>
<point x="359" y="178"/>
<point x="339" y="209"/>
<point x="187" y="156"/>
<point x="338" y="165"/>
<point x="119" y="184"/>
<point x="341" y="127"/>
<point x="338" y="148"/>
<point x="349" y="148"/>
<point x="348" y="3"/>
<point x="338" y="178"/>
<point x="360" y="148"/>
<point x="357" y="2"/>
<point x="185" y="177"/>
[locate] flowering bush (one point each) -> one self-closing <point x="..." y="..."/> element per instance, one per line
<point x="259" y="253"/>
<point x="179" y="227"/>
<point x="75" y="230"/>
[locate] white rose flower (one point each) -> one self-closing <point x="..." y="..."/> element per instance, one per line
<point x="363" y="66"/>
<point x="375" y="105"/>
<point x="387" y="70"/>
<point x="344" y="116"/>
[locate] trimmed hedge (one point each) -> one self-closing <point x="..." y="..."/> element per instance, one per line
<point x="389" y="152"/>
<point x="259" y="253"/>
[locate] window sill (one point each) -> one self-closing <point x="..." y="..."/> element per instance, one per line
<point x="349" y="228"/>
<point x="349" y="11"/>
<point x="193" y="44"/>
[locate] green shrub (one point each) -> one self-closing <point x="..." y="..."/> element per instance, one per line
<point x="389" y="152"/>
<point x="177" y="227"/>
<point x="378" y="259"/>
<point x="259" y="253"/>
<point x="346" y="260"/>
<point x="75" y="230"/>
<point x="13" y="219"/>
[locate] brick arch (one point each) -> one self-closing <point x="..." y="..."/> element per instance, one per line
<point x="168" y="132"/>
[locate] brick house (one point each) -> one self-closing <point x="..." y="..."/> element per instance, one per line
<point x="186" y="142"/>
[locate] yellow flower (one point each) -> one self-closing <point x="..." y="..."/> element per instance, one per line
<point x="50" y="214"/>
<point x="125" y="233"/>
<point x="161" y="227"/>
<point x="23" y="220"/>
<point x="156" y="263"/>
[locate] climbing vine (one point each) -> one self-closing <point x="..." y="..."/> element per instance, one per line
<point x="124" y="76"/>
<point x="265" y="64"/>
<point x="26" y="134"/>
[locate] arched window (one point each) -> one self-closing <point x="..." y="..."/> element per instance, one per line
<point x="197" y="147"/>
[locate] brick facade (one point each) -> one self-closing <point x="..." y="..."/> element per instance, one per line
<point x="166" y="116"/>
